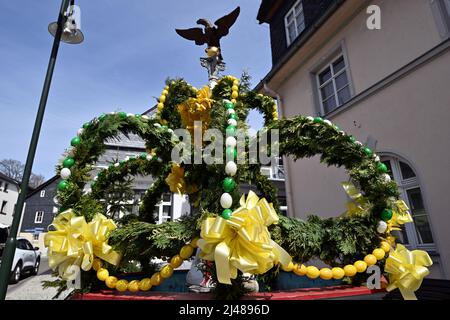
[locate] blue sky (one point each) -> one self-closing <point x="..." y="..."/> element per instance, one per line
<point x="130" y="48"/>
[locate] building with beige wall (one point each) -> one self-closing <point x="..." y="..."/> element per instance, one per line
<point x="388" y="87"/>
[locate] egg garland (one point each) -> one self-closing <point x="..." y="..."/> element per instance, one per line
<point x="145" y="284"/>
<point x="337" y="273"/>
<point x="226" y="200"/>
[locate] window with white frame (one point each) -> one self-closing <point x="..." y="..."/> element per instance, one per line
<point x="333" y="85"/>
<point x="417" y="234"/>
<point x="294" y="22"/>
<point x="164" y="208"/>
<point x="42" y="193"/>
<point x="39" y="217"/>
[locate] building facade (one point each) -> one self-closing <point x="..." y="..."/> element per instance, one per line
<point x="9" y="192"/>
<point x="40" y="209"/>
<point x="380" y="70"/>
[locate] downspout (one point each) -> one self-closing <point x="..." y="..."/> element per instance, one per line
<point x="291" y="210"/>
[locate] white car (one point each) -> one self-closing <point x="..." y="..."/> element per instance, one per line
<point x="26" y="259"/>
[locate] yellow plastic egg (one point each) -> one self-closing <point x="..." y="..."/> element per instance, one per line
<point x="122" y="285"/>
<point x="338" y="273"/>
<point x="234" y="95"/>
<point x="160" y="106"/>
<point x="312" y="272"/>
<point x="379" y="253"/>
<point x="360" y="266"/>
<point x="166" y="271"/>
<point x="186" y="252"/>
<point x="165" y="92"/>
<point x="194" y="242"/>
<point x="133" y="286"/>
<point x="97" y="264"/>
<point x="145" y="284"/>
<point x="162" y="99"/>
<point x="385" y="246"/>
<point x="176" y="261"/>
<point x="289" y="267"/>
<point x="233" y="101"/>
<point x="102" y="274"/>
<point x="350" y="270"/>
<point x="212" y="51"/>
<point x="300" y="270"/>
<point x="235" y="88"/>
<point x="111" y="282"/>
<point x="156" y="279"/>
<point x="370" y="259"/>
<point x="326" y="274"/>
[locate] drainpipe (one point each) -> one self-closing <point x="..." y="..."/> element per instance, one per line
<point x="291" y="210"/>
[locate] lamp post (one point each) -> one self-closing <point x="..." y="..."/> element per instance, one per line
<point x="68" y="33"/>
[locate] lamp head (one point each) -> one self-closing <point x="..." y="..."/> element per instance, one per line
<point x="71" y="31"/>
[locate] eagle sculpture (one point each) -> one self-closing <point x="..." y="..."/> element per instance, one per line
<point x="212" y="33"/>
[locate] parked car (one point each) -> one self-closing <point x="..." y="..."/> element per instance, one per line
<point x="26" y="259"/>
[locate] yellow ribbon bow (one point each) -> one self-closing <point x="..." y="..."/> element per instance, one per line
<point x="196" y="109"/>
<point x="75" y="243"/>
<point x="177" y="184"/>
<point x="243" y="242"/>
<point x="407" y="270"/>
<point x="359" y="206"/>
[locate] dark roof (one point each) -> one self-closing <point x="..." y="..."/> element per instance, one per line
<point x="267" y="9"/>
<point x="301" y="40"/>
<point x="10" y="180"/>
<point x="42" y="186"/>
<point x="150" y="111"/>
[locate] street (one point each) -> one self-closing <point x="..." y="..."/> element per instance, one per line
<point x="30" y="287"/>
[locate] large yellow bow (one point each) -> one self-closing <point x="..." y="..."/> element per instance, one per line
<point x="75" y="243"/>
<point x="407" y="270"/>
<point x="243" y="242"/>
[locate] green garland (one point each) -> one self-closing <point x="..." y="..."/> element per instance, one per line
<point x="336" y="241"/>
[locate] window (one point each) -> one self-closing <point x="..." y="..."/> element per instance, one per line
<point x="35" y="236"/>
<point x="417" y="234"/>
<point x="164" y="208"/>
<point x="5" y="188"/>
<point x="21" y="244"/>
<point x="39" y="217"/>
<point x="42" y="193"/>
<point x="3" y="208"/>
<point x="333" y="85"/>
<point x="294" y="22"/>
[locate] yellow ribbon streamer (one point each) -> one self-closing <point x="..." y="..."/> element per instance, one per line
<point x="75" y="243"/>
<point x="400" y="216"/>
<point x="407" y="270"/>
<point x="359" y="206"/>
<point x="243" y="242"/>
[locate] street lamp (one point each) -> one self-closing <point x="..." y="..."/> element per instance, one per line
<point x="66" y="30"/>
